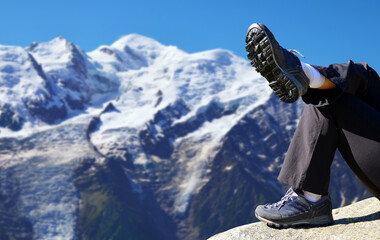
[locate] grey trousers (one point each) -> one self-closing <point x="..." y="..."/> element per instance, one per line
<point x="345" y="118"/>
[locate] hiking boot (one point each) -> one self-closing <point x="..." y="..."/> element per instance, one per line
<point x="293" y="210"/>
<point x="280" y="67"/>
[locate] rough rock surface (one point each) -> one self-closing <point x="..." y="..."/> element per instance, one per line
<point x="360" y="220"/>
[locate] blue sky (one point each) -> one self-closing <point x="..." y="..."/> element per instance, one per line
<point x="324" y="31"/>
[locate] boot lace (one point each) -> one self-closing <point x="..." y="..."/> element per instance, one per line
<point x="294" y="51"/>
<point x="290" y="193"/>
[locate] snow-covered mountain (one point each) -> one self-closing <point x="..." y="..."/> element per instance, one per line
<point x="138" y="140"/>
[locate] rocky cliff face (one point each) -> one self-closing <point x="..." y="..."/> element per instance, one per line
<point x="360" y="220"/>
<point x="139" y="141"/>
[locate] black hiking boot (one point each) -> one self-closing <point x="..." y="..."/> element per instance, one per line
<point x="294" y="210"/>
<point x="281" y="68"/>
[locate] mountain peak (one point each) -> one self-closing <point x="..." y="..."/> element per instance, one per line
<point x="55" y="53"/>
<point x="58" y="44"/>
<point x="131" y="51"/>
<point x="136" y="41"/>
<point x="60" y="38"/>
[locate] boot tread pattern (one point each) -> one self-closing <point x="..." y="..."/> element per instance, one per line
<point x="262" y="59"/>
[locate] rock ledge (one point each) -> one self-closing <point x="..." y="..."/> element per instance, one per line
<point x="360" y="220"/>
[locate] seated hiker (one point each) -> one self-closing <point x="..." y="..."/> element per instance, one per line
<point x="342" y="111"/>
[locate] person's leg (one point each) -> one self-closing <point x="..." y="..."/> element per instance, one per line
<point x="349" y="124"/>
<point x="311" y="151"/>
<point x="285" y="75"/>
<point x="320" y="132"/>
<point x="352" y="126"/>
<point x="359" y="139"/>
<point x="356" y="116"/>
<point x="306" y="167"/>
